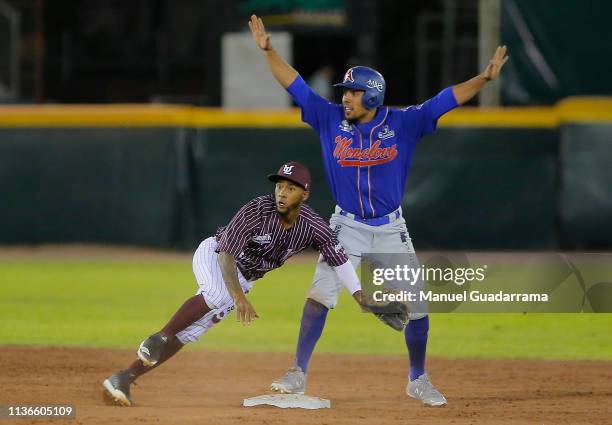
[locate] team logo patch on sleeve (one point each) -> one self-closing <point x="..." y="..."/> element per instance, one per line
<point x="386" y="133"/>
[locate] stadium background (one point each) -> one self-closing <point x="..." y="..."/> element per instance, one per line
<point x="113" y="136"/>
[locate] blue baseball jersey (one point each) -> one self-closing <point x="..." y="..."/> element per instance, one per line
<point x="367" y="164"/>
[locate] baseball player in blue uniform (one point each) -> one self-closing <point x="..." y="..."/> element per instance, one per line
<point x="367" y="152"/>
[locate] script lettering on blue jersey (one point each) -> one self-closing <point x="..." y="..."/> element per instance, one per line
<point x="349" y="156"/>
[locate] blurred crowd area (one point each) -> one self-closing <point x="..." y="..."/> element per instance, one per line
<point x="114" y="51"/>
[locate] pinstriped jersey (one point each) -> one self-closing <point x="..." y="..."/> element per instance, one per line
<point x="259" y="242"/>
<point x="367" y="164"/>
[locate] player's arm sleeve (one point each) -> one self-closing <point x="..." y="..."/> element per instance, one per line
<point x="422" y="119"/>
<point x="313" y="106"/>
<point x="347" y="275"/>
<point x="236" y="234"/>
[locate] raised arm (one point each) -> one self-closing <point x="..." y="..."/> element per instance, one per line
<point x="465" y="91"/>
<point x="281" y="70"/>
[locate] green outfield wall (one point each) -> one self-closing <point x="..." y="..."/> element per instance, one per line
<point x="585" y="195"/>
<point x="108" y="185"/>
<point x="522" y="178"/>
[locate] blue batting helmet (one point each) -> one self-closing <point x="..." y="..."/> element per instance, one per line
<point x="368" y="80"/>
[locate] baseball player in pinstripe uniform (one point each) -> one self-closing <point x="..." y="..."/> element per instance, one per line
<point x="263" y="234"/>
<point x="367" y="151"/>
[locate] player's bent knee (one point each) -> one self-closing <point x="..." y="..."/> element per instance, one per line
<point x="314" y="306"/>
<point x="208" y="303"/>
<point x="322" y="297"/>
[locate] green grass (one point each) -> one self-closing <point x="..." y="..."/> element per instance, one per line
<point x="117" y="303"/>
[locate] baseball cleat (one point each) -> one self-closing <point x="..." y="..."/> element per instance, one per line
<point x="117" y="388"/>
<point x="422" y="389"/>
<point x="150" y="349"/>
<point x="293" y="382"/>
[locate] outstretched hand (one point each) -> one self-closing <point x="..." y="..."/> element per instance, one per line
<point x="244" y="311"/>
<point x="358" y="296"/>
<point x="496" y="63"/>
<point x="258" y="31"/>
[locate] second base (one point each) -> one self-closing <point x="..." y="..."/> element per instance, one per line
<point x="288" y="401"/>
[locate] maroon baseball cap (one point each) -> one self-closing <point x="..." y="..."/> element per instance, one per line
<point x="295" y="172"/>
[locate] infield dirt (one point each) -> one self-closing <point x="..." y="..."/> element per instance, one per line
<point x="200" y="387"/>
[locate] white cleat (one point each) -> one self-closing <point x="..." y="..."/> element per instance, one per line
<point x="422" y="389"/>
<point x="293" y="382"/>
